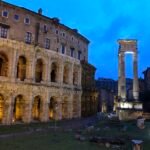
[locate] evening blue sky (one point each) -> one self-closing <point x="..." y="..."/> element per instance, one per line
<point x="103" y="22"/>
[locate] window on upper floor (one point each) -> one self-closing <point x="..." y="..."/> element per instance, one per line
<point x="5" y="13"/>
<point x="16" y="17"/>
<point x="79" y="55"/>
<point x="63" y="34"/>
<point x="47" y="43"/>
<point x="63" y="47"/>
<point x="84" y="58"/>
<point x="26" y="20"/>
<point x="45" y="29"/>
<point x="72" y="52"/>
<point x="3" y="32"/>
<point x="28" y="37"/>
<point x="56" y="31"/>
<point x="72" y="38"/>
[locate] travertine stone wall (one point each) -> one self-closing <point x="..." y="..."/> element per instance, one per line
<point x="12" y="87"/>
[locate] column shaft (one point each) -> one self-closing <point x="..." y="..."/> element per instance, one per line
<point x="135" y="80"/>
<point x="58" y="110"/>
<point x="123" y="79"/>
<point x="13" y="67"/>
<point x="60" y="73"/>
<point x="7" y="118"/>
<point x="71" y="74"/>
<point x="119" y="77"/>
<point x="80" y="76"/>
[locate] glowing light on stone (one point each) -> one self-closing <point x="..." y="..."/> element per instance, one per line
<point x="129" y="52"/>
<point x="130" y="105"/>
<point x="126" y="105"/>
<point x="51" y="114"/>
<point x="13" y="120"/>
<point x="138" y="106"/>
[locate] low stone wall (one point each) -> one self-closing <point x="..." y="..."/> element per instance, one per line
<point x="146" y="115"/>
<point x="129" y="114"/>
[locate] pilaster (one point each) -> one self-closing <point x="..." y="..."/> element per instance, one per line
<point x="8" y="113"/>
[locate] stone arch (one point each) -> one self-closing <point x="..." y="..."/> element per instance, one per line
<point x="65" y="108"/>
<point x="36" y="108"/>
<point x="18" y="108"/>
<point x="52" y="107"/>
<point x="39" y="68"/>
<point x="21" y="68"/>
<point x="1" y="107"/>
<point x="54" y="72"/>
<point x="66" y="74"/>
<point x="3" y="64"/>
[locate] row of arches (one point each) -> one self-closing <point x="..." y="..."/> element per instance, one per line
<point x="40" y="70"/>
<point x="19" y="108"/>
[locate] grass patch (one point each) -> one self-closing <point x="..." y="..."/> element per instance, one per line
<point x="48" y="139"/>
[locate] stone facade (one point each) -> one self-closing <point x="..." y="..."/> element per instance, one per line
<point x="145" y="93"/>
<point x="106" y="100"/>
<point x="107" y="89"/>
<point x="40" y="69"/>
<point x="147" y="79"/>
<point x="108" y="84"/>
<point x="89" y="100"/>
<point x="39" y="30"/>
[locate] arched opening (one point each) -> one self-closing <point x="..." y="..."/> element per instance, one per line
<point x="66" y="75"/>
<point x="52" y="108"/>
<point x="39" y="70"/>
<point x="54" y="72"/>
<point x="1" y="107"/>
<point x="65" y="108"/>
<point x="21" y="68"/>
<point x="3" y="65"/>
<point x="18" y="108"/>
<point x="36" y="108"/>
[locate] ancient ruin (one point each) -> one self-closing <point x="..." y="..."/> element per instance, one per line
<point x="128" y="110"/>
<point x="40" y="69"/>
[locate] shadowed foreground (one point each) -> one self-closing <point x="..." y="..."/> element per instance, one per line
<point x="62" y="135"/>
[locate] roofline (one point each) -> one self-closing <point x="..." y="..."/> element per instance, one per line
<point x="127" y="40"/>
<point x="89" y="64"/>
<point x="145" y="71"/>
<point x="50" y="19"/>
